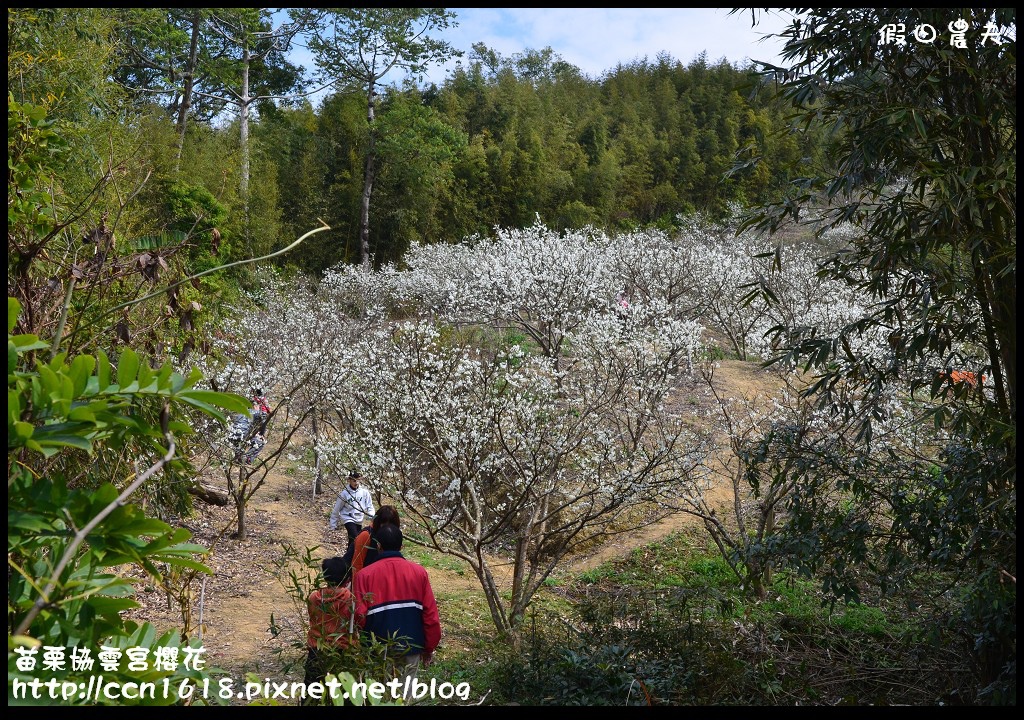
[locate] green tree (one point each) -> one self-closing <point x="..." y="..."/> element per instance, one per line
<point x="924" y="167"/>
<point x="417" y="151"/>
<point x="59" y="98"/>
<point x="250" y="41"/>
<point x="319" y="157"/>
<point x="164" y="53"/>
<point x="206" y="62"/>
<point x="360" y="47"/>
<point x="57" y="59"/>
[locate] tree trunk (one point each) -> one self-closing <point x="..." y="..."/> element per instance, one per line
<point x="769" y="527"/>
<point x="186" y="95"/>
<point x="243" y="128"/>
<point x="240" y="494"/>
<point x="757" y="584"/>
<point x="318" y="488"/>
<point x="368" y="177"/>
<point x="491" y="594"/>
<point x="209" y="495"/>
<point x="242" y="531"/>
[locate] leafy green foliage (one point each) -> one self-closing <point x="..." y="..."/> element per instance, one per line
<point x="164" y="240"/>
<point x="358" y="47"/>
<point x="57" y="60"/>
<point x="417" y="151"/>
<point x="60" y="404"/>
<point x="63" y="541"/>
<point x="507" y="138"/>
<point x="192" y="207"/>
<point x="923" y="165"/>
<point x="32" y="146"/>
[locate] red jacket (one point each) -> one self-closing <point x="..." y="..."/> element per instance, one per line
<point x="329" y="611"/>
<point x="394" y="600"/>
<point x="260" y="404"/>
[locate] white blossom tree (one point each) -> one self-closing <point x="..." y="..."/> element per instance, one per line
<point x="509" y="454"/>
<point x="294" y="348"/>
<point x="503" y="449"/>
<point x="756" y="439"/>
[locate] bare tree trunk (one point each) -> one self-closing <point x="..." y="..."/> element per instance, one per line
<point x="757" y="585"/>
<point x="318" y="488"/>
<point x="243" y="128"/>
<point x="491" y="594"/>
<point x="242" y="531"/>
<point x="186" y="96"/>
<point x="209" y="495"/>
<point x="526" y="556"/>
<point x="769" y="529"/>
<point x="240" y="495"/>
<point x="368" y="178"/>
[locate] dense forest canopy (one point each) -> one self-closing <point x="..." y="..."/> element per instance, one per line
<point x="484" y="226"/>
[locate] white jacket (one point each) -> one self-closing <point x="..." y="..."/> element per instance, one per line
<point x="352" y="506"/>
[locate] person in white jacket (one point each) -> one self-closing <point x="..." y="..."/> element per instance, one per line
<point x="352" y="506"/>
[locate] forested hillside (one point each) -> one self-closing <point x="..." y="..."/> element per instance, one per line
<point x="507" y="298"/>
<point x="507" y="139"/>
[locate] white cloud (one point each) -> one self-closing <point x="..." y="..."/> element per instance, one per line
<point x="597" y="39"/>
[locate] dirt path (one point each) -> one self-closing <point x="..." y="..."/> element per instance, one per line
<point x="249" y="585"/>
<point x="732" y="379"/>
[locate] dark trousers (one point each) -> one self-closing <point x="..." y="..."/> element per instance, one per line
<point x="353" y="529"/>
<point x="317" y="666"/>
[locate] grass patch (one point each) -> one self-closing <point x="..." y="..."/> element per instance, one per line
<point x="491" y="339"/>
<point x="677" y="561"/>
<point x="863" y="619"/>
<point x="466" y="620"/>
<point x="430" y="558"/>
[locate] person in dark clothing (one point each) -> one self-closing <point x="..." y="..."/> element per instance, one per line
<point x="249" y="433"/>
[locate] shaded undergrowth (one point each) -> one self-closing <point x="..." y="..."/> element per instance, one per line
<point x="668" y="625"/>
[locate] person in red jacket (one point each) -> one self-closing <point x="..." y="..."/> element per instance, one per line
<point x="331" y="624"/>
<point x="395" y="603"/>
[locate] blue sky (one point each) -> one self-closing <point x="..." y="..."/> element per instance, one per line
<point x="597" y="39"/>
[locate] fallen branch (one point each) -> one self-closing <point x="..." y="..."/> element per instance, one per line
<point x="209" y="495"/>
